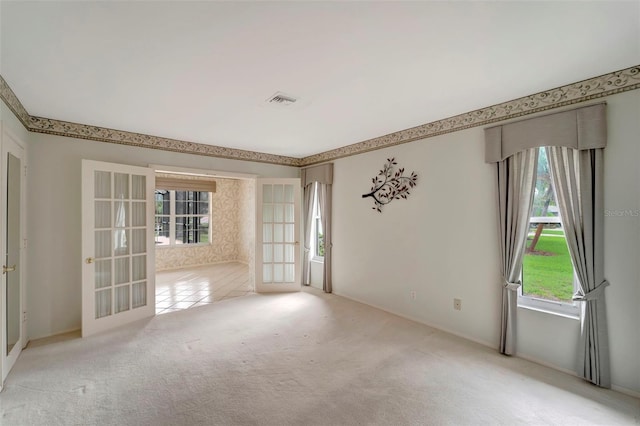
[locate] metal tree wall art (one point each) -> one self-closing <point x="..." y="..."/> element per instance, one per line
<point x="390" y="185"/>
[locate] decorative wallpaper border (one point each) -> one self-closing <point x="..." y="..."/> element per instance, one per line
<point x="14" y="104"/>
<point x="593" y="88"/>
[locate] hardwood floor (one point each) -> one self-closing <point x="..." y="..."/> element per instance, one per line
<point x="187" y="288"/>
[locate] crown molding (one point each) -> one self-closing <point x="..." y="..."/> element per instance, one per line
<point x="593" y="88"/>
<point x="102" y="134"/>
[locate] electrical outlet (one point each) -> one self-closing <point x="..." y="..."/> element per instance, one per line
<point x="412" y="295"/>
<point x="457" y="304"/>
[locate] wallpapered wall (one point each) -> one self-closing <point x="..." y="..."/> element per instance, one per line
<point x="232" y="233"/>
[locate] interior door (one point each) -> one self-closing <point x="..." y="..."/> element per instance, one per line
<point x="278" y="235"/>
<point x="12" y="243"/>
<point x="118" y="280"/>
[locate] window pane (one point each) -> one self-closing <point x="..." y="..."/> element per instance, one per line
<point x="121" y="214"/>
<point x="289" y="273"/>
<point x="139" y="294"/>
<point x="547" y="271"/>
<point x="288" y="193"/>
<point x="121" y="186"/>
<point x="102" y="184"/>
<point x="121" y="242"/>
<point x="102" y="211"/>
<point x="103" y="303"/>
<point x="278" y="193"/>
<point x="267" y="193"/>
<point x="138" y="187"/>
<point x="138" y="241"/>
<point x="121" y="270"/>
<point x="289" y="253"/>
<point x="139" y="268"/>
<point x="267" y="213"/>
<point x="278" y="213"/>
<point x="122" y="299"/>
<point x="103" y="273"/>
<point x="162" y="230"/>
<point x="267" y="253"/>
<point x="102" y="244"/>
<point x="278" y="253"/>
<point x="267" y="273"/>
<point x="163" y="205"/>
<point x="192" y="229"/>
<point x="138" y="214"/>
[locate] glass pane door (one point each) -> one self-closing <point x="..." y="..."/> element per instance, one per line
<point x="278" y="233"/>
<point x="119" y="273"/>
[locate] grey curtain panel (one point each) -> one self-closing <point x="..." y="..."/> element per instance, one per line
<point x="308" y="193"/>
<point x="321" y="175"/>
<point x="324" y="202"/>
<point x="516" y="177"/>
<point x="578" y="179"/>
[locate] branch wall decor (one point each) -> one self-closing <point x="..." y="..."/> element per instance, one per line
<point x="390" y="185"/>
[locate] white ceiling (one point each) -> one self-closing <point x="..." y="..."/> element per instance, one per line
<point x="201" y="71"/>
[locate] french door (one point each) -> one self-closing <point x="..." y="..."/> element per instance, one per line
<point x="118" y="277"/>
<point x="12" y="243"/>
<point x="277" y="235"/>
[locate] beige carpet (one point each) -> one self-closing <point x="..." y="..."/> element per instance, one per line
<point x="294" y="359"/>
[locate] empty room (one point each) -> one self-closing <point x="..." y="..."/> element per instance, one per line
<point x="376" y="213"/>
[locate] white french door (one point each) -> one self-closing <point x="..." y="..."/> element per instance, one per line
<point x="12" y="243"/>
<point x="118" y="278"/>
<point x="277" y="235"/>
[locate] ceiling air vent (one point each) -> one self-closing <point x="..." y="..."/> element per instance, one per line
<point x="281" y="99"/>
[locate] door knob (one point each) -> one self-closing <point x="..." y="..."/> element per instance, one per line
<point x="89" y="259"/>
<point x="6" y="269"/>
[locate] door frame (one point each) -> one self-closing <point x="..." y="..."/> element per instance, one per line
<point x="7" y="362"/>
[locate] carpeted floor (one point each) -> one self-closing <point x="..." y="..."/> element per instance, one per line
<point x="293" y="359"/>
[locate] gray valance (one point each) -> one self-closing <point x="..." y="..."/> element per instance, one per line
<point x="321" y="174"/>
<point x="581" y="128"/>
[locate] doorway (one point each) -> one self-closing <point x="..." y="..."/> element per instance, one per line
<point x="213" y="261"/>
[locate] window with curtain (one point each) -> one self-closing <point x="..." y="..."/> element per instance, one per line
<point x="316" y="233"/>
<point x="548" y="278"/>
<point x="182" y="217"/>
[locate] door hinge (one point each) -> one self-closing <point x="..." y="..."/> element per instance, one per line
<point x="25" y="171"/>
<point x="24" y="243"/>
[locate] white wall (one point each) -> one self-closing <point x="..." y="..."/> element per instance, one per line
<point x="53" y="200"/>
<point x="442" y="244"/>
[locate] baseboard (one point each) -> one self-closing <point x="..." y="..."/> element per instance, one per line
<point x="420" y="321"/>
<point x="199" y="265"/>
<point x="616" y="388"/>
<point x="58" y="335"/>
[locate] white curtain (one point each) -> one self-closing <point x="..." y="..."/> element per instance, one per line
<point x="578" y="180"/>
<point x="308" y="195"/>
<point x="516" y="180"/>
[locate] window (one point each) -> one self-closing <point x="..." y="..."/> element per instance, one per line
<point x="182" y="217"/>
<point x="317" y="234"/>
<point x="548" y="279"/>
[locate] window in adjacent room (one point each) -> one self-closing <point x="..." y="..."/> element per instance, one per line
<point x="182" y="217"/>
<point x="548" y="279"/>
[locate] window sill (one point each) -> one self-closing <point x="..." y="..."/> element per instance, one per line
<point x="182" y="246"/>
<point x="318" y="260"/>
<point x="573" y="316"/>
